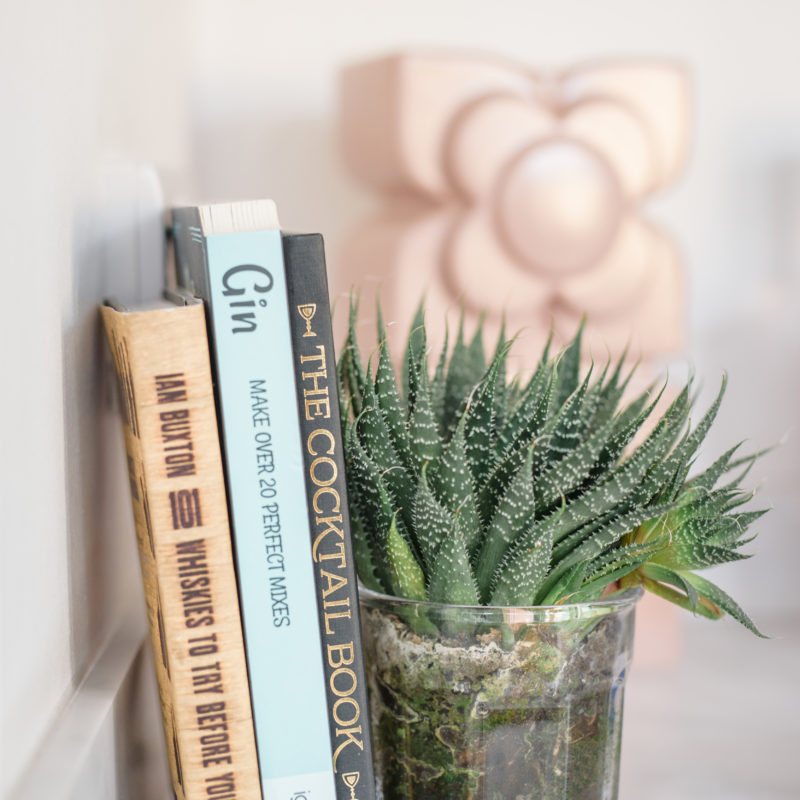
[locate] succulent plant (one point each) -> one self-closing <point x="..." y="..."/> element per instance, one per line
<point x="469" y="488"/>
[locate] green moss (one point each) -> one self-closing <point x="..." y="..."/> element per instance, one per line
<point x="537" y="725"/>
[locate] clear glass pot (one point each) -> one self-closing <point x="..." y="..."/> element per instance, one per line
<point x="486" y="702"/>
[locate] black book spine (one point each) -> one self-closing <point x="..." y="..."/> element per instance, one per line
<point x="332" y="551"/>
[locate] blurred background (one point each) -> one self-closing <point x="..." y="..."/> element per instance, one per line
<point x="243" y="99"/>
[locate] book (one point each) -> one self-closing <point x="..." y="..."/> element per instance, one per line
<point x="331" y="549"/>
<point x="231" y="256"/>
<point x="161" y="359"/>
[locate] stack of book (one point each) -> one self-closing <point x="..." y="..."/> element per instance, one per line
<point x="232" y="427"/>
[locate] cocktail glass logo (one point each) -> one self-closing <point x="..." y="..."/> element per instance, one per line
<point x="304" y="795"/>
<point x="351" y="779"/>
<point x="307" y="312"/>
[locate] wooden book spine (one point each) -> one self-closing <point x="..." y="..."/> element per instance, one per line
<point x="179" y="503"/>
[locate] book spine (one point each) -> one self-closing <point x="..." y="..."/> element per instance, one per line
<point x="331" y="550"/>
<point x="177" y="488"/>
<point x="249" y="320"/>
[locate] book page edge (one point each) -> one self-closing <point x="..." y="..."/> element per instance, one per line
<point x="246" y="215"/>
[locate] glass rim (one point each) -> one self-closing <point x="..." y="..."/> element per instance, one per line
<point x="616" y="601"/>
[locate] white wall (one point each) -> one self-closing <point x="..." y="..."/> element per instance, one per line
<point x="238" y="99"/>
<point x="77" y="88"/>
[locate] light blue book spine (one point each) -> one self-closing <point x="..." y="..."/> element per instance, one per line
<point x="250" y="316"/>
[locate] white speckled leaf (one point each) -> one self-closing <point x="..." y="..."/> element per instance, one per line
<point x="514" y="515"/>
<point x="451" y="579"/>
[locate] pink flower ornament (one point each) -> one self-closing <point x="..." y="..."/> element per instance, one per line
<point x="519" y="193"/>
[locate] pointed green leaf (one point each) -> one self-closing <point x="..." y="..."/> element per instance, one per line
<point x="622" y="481"/>
<point x="502" y="377"/>
<point x="373" y="430"/>
<point x="521" y="577"/>
<point x="451" y="476"/>
<point x="457" y="381"/>
<point x="509" y="462"/>
<point x="699" y="529"/>
<point x="564" y="589"/>
<point x="432" y="522"/>
<point x="562" y="435"/>
<point x="452" y="484"/>
<point x="592" y="401"/>
<point x="626" y="557"/>
<point x="626" y="425"/>
<point x="469" y="521"/>
<point x="708" y="478"/>
<point x="451" y="578"/>
<point x="600" y="541"/>
<point x="376" y="439"/>
<point x="704" y="607"/>
<point x="697" y="436"/>
<point x="568" y="368"/>
<point x="742" y="522"/>
<point x="475" y="353"/>
<point x="747" y="462"/>
<point x="345" y="401"/>
<point x="423" y="432"/>
<point x="362" y="551"/>
<point x="415" y="353"/>
<point x="388" y="397"/>
<point x="353" y="375"/>
<point x="666" y="477"/>
<point x="568" y="543"/>
<point x="480" y="418"/>
<point x="697" y="555"/>
<point x="514" y="515"/>
<point x="466" y="368"/>
<point x="713" y="593"/>
<point x="438" y="386"/>
<point x="513" y="395"/>
<point x="370" y="502"/>
<point x="570" y="472"/>
<point x="662" y="574"/>
<point x="612" y="392"/>
<point x="529" y="416"/>
<point x="406" y="575"/>
<point x="615" y="565"/>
